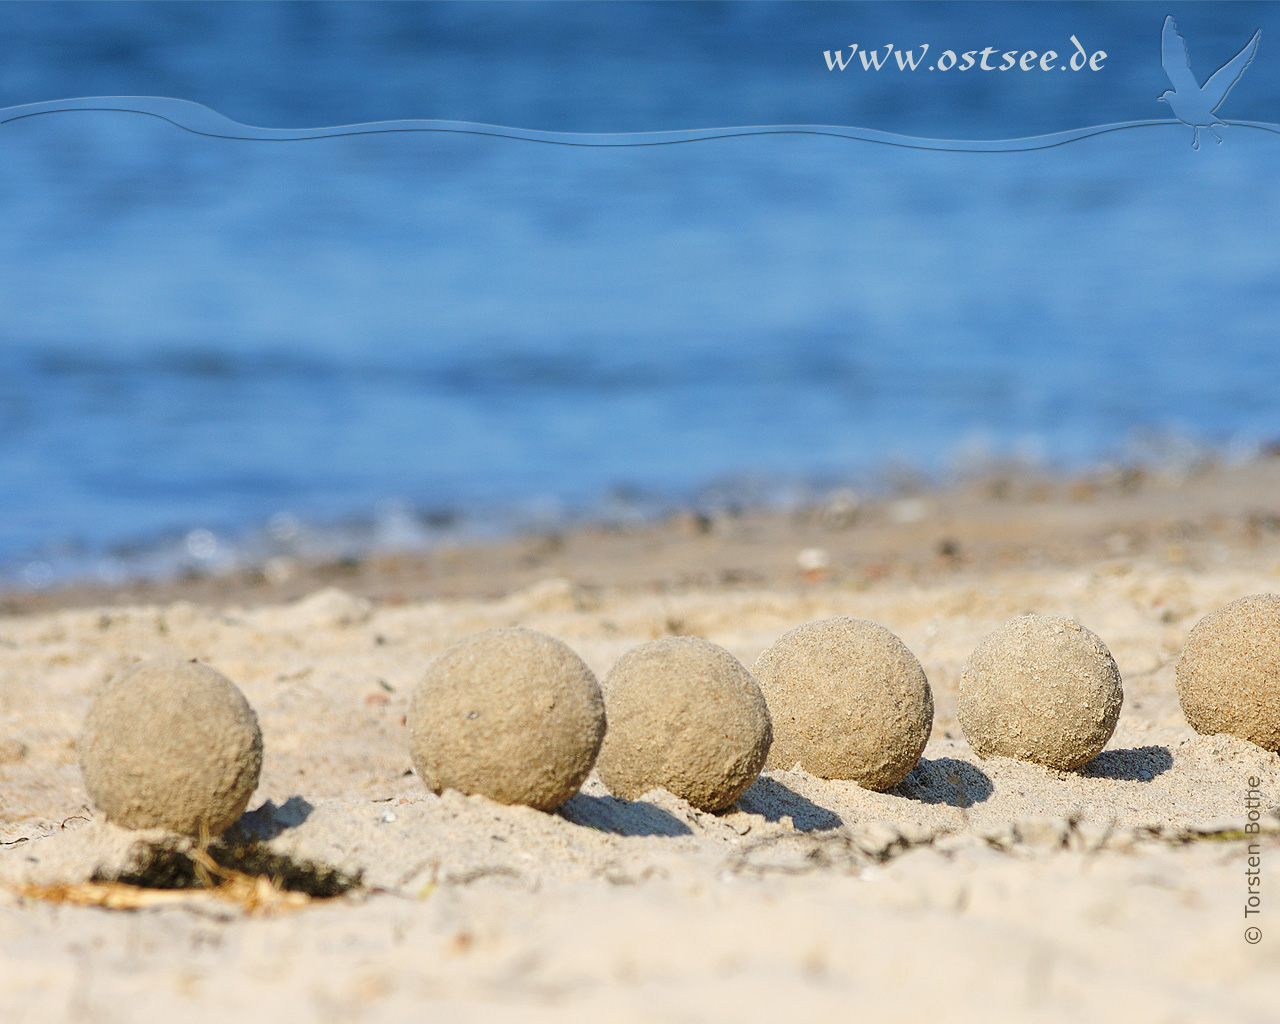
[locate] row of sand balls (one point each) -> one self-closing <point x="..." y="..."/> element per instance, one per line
<point x="517" y="716"/>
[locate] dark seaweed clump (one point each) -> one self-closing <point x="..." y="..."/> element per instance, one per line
<point x="169" y="865"/>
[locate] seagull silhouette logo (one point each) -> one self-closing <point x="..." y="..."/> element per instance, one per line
<point x="1194" y="104"/>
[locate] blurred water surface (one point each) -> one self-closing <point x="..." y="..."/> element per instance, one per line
<point x="208" y="345"/>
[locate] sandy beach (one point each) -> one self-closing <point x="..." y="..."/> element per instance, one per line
<point x="740" y="366"/>
<point x="975" y="890"/>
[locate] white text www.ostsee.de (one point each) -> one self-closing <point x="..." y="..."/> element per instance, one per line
<point x="989" y="58"/>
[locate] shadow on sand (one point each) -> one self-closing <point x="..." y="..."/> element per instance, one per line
<point x="1138" y="764"/>
<point x="945" y="781"/>
<point x="622" y="817"/>
<point x="772" y="800"/>
<point x="268" y="821"/>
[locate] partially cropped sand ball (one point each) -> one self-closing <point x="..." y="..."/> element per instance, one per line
<point x="1229" y="672"/>
<point x="511" y="714"/>
<point x="1041" y="689"/>
<point x="849" y="701"/>
<point x="171" y="744"/>
<point x="684" y="714"/>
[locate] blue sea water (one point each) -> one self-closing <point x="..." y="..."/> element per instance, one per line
<point x="211" y="349"/>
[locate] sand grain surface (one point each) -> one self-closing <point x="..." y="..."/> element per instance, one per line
<point x="974" y="890"/>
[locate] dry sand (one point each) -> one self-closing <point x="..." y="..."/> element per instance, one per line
<point x="975" y="890"/>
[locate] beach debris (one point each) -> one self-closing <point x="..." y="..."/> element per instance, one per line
<point x="813" y="560"/>
<point x="1042" y="689"/>
<point x="178" y="871"/>
<point x="1228" y="676"/>
<point x="172" y="745"/>
<point x="813" y="563"/>
<point x="876" y="839"/>
<point x="846" y="850"/>
<point x="797" y="853"/>
<point x="689" y="523"/>
<point x="841" y="510"/>
<point x="684" y="715"/>
<point x="848" y="700"/>
<point x="1044" y="831"/>
<point x="511" y="714"/>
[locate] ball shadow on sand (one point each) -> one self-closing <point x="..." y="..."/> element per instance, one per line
<point x="622" y="817"/>
<point x="1137" y="764"/>
<point x="268" y="821"/>
<point x="945" y="781"/>
<point x="772" y="800"/>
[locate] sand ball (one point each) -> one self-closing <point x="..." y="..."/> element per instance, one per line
<point x="1042" y="689"/>
<point x="510" y="714"/>
<point x="171" y="744"/>
<point x="849" y="701"/>
<point x="1229" y="672"/>
<point x="684" y="714"/>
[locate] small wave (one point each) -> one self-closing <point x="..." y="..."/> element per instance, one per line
<point x="279" y="544"/>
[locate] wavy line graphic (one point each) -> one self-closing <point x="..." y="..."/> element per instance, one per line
<point x="201" y="120"/>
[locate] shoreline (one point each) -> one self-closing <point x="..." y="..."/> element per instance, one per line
<point x="1213" y="515"/>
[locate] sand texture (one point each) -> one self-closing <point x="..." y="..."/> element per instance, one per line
<point x="171" y="744"/>
<point x="1229" y="672"/>
<point x="687" y="717"/>
<point x="974" y="890"/>
<point x="510" y="714"/>
<point x="1040" y="688"/>
<point x="850" y="702"/>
